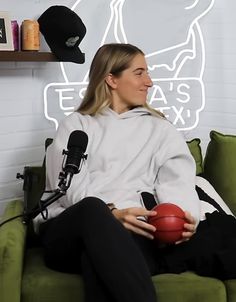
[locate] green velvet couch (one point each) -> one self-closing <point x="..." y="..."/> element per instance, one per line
<point x="25" y="278"/>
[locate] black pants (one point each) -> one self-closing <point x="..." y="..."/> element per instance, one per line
<point x="117" y="265"/>
<point x="86" y="238"/>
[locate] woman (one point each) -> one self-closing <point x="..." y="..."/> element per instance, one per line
<point x="100" y="228"/>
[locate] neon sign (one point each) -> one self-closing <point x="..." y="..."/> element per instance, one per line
<point x="176" y="66"/>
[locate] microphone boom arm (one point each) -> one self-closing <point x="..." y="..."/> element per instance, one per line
<point x="43" y="204"/>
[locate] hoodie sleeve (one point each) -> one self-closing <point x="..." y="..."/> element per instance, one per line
<point x="54" y="161"/>
<point x="175" y="179"/>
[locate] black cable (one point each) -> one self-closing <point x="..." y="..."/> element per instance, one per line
<point x="10" y="219"/>
<point x="43" y="212"/>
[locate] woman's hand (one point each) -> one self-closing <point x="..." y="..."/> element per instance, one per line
<point x="129" y="218"/>
<point x="190" y="228"/>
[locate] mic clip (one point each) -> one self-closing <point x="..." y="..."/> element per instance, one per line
<point x="68" y="171"/>
<point x="65" y="152"/>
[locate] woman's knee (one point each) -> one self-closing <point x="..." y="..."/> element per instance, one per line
<point x="85" y="210"/>
<point x="91" y="204"/>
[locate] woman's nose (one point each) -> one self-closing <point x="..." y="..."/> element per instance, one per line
<point x="148" y="81"/>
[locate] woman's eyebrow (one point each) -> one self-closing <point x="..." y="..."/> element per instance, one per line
<point x="139" y="69"/>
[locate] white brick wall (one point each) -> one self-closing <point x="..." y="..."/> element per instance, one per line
<point x="219" y="77"/>
<point x="23" y="127"/>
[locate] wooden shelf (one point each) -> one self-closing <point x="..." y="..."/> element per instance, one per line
<point x="27" y="56"/>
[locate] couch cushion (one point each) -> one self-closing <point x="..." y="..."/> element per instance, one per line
<point x="231" y="290"/>
<point x="195" y="149"/>
<point x="12" y="243"/>
<point x="49" y="285"/>
<point x="188" y="287"/>
<point x="220" y="166"/>
<point x="53" y="286"/>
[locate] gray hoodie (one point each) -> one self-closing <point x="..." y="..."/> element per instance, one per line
<point x="128" y="153"/>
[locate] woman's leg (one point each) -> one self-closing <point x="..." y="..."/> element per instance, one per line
<point x="152" y="253"/>
<point x="89" y="227"/>
<point x="94" y="287"/>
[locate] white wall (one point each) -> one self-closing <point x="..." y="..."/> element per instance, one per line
<point x="220" y="73"/>
<point x="23" y="127"/>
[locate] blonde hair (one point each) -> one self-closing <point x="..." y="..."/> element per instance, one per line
<point x="110" y="58"/>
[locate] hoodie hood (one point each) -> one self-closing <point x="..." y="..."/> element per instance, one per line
<point x="138" y="111"/>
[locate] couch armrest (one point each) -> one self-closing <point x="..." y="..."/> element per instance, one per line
<point x="12" y="245"/>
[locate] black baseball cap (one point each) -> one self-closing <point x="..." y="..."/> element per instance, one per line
<point x="63" y="31"/>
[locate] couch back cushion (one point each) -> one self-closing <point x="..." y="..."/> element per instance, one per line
<point x="195" y="149"/>
<point x="220" y="166"/>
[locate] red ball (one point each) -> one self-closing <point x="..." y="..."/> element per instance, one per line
<point x="169" y="222"/>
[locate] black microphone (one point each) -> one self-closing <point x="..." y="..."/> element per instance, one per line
<point x="76" y="147"/>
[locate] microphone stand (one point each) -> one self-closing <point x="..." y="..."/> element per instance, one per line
<point x="43" y="204"/>
<point x="27" y="216"/>
<point x="65" y="178"/>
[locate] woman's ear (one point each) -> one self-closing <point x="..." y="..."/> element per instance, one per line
<point x="111" y="80"/>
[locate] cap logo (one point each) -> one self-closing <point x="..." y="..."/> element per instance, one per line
<point x="72" y="41"/>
